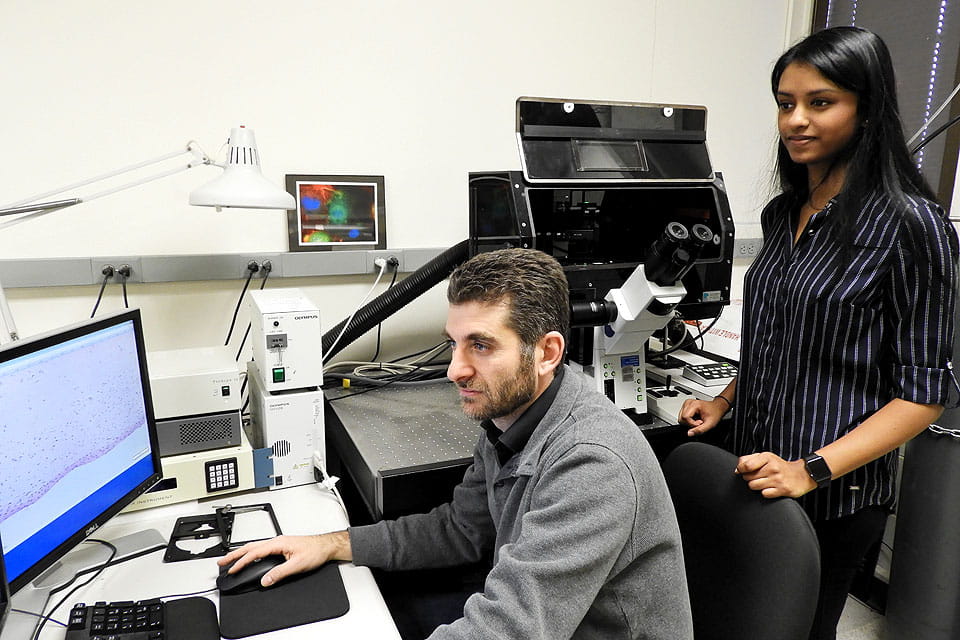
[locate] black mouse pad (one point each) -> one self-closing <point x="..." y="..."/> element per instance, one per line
<point x="301" y="599"/>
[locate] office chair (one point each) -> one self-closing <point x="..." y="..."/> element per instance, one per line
<point x="752" y="563"/>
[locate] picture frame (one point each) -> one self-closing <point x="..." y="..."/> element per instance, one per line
<point x="336" y="212"/>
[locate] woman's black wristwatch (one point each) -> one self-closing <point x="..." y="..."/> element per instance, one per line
<point x="818" y="469"/>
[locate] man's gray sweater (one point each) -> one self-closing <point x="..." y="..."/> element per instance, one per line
<point x="583" y="531"/>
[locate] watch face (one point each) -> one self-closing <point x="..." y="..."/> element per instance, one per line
<point x="818" y="469"/>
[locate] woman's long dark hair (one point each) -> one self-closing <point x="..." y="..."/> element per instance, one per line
<point x="876" y="158"/>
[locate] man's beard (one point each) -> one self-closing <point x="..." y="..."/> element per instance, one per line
<point x="506" y="397"/>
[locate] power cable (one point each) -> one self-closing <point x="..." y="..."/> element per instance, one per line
<point x="43" y="617"/>
<point x="124" y="273"/>
<point x="252" y="268"/>
<point x="376" y="353"/>
<point x="267" y="267"/>
<point x="346" y="325"/>
<point x="107" y="272"/>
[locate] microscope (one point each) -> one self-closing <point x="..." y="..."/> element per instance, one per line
<point x="624" y="196"/>
<point x="629" y="315"/>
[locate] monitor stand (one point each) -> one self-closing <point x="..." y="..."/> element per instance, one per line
<point x="84" y="559"/>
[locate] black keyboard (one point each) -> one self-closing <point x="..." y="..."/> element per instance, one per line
<point x="185" y="619"/>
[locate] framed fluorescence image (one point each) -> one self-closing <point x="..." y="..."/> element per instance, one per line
<point x="336" y="213"/>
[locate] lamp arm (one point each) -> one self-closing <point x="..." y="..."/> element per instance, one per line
<point x="40" y="207"/>
<point x="32" y="208"/>
<point x="134" y="183"/>
<point x="199" y="157"/>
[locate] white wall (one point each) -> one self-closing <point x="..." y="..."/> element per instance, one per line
<point x="421" y="93"/>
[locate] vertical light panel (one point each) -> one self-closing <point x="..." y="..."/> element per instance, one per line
<point x="832" y="20"/>
<point x="934" y="69"/>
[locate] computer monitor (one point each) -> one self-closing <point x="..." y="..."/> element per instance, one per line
<point x="78" y="440"/>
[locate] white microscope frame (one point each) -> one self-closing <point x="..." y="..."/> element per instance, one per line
<point x="643" y="307"/>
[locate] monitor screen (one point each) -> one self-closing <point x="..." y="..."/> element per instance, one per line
<point x="78" y="440"/>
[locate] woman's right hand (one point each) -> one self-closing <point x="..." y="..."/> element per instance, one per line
<point x="702" y="415"/>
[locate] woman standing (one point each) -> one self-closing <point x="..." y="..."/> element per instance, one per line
<point x="847" y="320"/>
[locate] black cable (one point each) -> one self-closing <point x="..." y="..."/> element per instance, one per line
<point x="103" y="285"/>
<point x="920" y="145"/>
<point x="124" y="273"/>
<point x="243" y="342"/>
<point x="107" y="274"/>
<point x="687" y="340"/>
<point x="186" y="595"/>
<point x="252" y="267"/>
<point x="376" y="353"/>
<point x="44" y="618"/>
<point x="38" y="615"/>
<point x="123" y="287"/>
<point x="704" y="332"/>
<point x="267" y="268"/>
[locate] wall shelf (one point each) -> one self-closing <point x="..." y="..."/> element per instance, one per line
<point x="57" y="272"/>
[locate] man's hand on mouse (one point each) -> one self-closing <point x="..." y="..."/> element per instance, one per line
<point x="302" y="553"/>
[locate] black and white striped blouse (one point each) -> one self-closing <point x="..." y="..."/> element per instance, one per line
<point x="829" y="338"/>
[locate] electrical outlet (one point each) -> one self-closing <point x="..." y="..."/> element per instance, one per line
<point x="97" y="266"/>
<point x="243" y="262"/>
<point x="746" y="248"/>
<point x="373" y="256"/>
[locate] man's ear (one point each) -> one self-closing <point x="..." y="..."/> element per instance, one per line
<point x="552" y="347"/>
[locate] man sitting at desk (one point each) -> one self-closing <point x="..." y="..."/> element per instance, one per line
<point x="564" y="489"/>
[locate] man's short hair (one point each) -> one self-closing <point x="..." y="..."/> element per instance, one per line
<point x="531" y="283"/>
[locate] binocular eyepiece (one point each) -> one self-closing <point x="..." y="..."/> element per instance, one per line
<point x="669" y="259"/>
<point x="675" y="251"/>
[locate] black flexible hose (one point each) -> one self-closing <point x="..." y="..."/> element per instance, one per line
<point x="392" y="300"/>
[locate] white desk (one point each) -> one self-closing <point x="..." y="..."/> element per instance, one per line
<point x="307" y="509"/>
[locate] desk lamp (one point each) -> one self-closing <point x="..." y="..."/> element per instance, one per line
<point x="240" y="185"/>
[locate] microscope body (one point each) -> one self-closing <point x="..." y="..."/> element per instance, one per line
<point x="618" y="368"/>
<point x="625" y="197"/>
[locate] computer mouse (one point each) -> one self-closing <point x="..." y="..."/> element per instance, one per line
<point x="247" y="578"/>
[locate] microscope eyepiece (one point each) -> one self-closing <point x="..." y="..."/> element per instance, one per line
<point x="669" y="258"/>
<point x="700" y="235"/>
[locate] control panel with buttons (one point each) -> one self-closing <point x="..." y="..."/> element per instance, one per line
<point x="621" y="379"/>
<point x="222" y="474"/>
<point x="710" y="375"/>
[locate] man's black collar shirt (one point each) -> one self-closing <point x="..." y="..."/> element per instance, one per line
<point x="514" y="439"/>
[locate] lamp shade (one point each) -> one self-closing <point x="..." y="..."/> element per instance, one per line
<point x="242" y="184"/>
